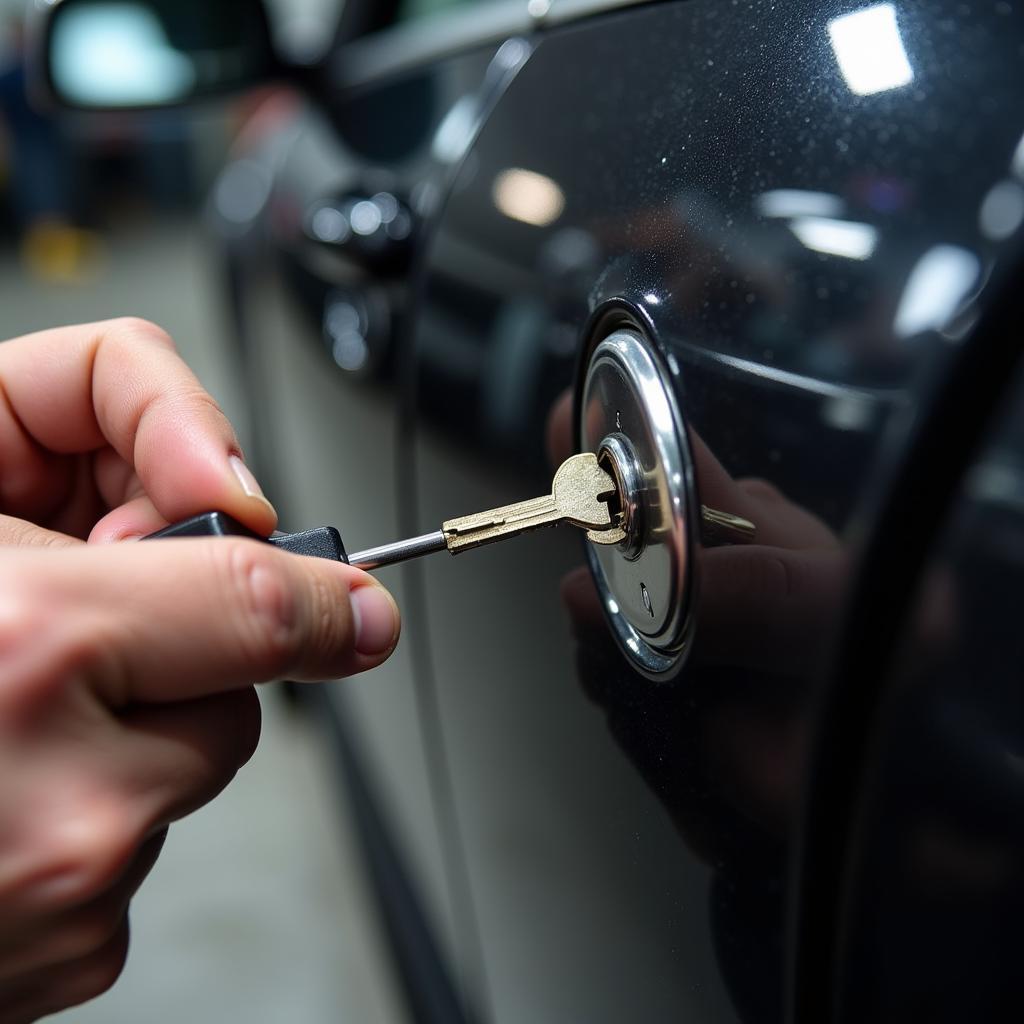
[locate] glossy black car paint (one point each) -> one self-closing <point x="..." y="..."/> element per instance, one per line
<point x="819" y="817"/>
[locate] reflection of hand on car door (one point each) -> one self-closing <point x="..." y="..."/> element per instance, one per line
<point x="764" y="606"/>
<point x="727" y="741"/>
<point x="734" y="732"/>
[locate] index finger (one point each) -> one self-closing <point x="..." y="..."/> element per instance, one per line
<point x="121" y="383"/>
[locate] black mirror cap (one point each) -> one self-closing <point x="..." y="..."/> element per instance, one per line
<point x="249" y="32"/>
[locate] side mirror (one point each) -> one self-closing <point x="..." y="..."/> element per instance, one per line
<point x="140" y="54"/>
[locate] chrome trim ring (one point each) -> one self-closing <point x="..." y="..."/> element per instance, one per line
<point x="646" y="583"/>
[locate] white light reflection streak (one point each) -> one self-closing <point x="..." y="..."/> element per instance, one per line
<point x="836" y="237"/>
<point x="1002" y="211"/>
<point x="798" y="202"/>
<point x="1017" y="163"/>
<point x="455" y="132"/>
<point x="937" y="285"/>
<point x="870" y="50"/>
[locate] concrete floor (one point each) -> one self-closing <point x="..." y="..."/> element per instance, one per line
<point x="258" y="909"/>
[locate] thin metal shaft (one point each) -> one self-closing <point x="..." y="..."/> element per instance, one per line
<point x="400" y="551"/>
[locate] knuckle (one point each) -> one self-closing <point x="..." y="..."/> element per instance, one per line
<point x="88" y="651"/>
<point x="89" y="853"/>
<point x="203" y="401"/>
<point x="44" y="648"/>
<point x="134" y="329"/>
<point x="29" y="642"/>
<point x="20" y="616"/>
<point x="761" y="489"/>
<point x="270" y="623"/>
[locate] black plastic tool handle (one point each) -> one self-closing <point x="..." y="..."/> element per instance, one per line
<point x="323" y="542"/>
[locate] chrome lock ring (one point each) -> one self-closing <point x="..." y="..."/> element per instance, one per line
<point x="627" y="413"/>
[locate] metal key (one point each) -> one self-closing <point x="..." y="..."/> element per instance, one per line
<point x="580" y="495"/>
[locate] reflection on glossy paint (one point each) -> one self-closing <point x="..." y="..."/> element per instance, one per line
<point x="242" y="192"/>
<point x="1002" y="211"/>
<point x="848" y="412"/>
<point x="937" y="285"/>
<point x="1017" y="163"/>
<point x="996" y="483"/>
<point x="798" y="202"/>
<point x="528" y="197"/>
<point x="836" y="237"/>
<point x="870" y="50"/>
<point x="455" y="132"/>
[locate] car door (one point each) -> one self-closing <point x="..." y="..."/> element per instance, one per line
<point x="317" y="314"/>
<point x="801" y="215"/>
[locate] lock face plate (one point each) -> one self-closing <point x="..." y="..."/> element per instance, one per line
<point x="627" y="411"/>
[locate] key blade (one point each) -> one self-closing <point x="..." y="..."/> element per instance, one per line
<point x="468" y="532"/>
<point x="580" y="495"/>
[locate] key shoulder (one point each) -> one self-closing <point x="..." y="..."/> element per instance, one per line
<point x="582" y="490"/>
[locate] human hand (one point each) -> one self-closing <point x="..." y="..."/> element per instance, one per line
<point x="125" y="670"/>
<point x="106" y="434"/>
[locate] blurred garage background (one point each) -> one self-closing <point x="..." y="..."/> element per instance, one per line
<point x="257" y="909"/>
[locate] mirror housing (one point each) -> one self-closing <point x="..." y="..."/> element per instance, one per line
<point x="123" y="55"/>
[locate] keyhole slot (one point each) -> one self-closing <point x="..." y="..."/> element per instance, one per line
<point x="617" y="457"/>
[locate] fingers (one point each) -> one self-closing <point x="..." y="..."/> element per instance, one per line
<point x="115" y="479"/>
<point x="175" y="758"/>
<point x="18" y="533"/>
<point x="131" y="521"/>
<point x="558" y="431"/>
<point x="759" y="606"/>
<point x="56" y="988"/>
<point x="33" y="481"/>
<point x="178" y="619"/>
<point x="133" y="513"/>
<point x="120" y="383"/>
<point x="68" y="935"/>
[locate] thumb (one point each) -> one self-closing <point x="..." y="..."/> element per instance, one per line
<point x="179" y="619"/>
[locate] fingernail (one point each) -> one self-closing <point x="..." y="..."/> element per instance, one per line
<point x="376" y="619"/>
<point x="247" y="481"/>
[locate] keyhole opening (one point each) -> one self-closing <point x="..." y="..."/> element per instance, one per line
<point x="618" y="459"/>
